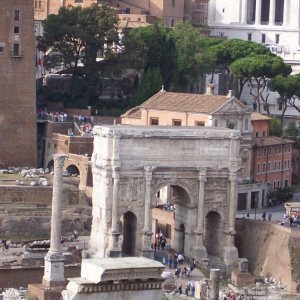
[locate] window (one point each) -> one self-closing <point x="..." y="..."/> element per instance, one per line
<point x="265" y="151"/>
<point x="278" y="184"/>
<point x="269" y="166"/>
<point x="230" y="125"/>
<point x="277" y="38"/>
<point x="263" y="38"/>
<point x="256" y="134"/>
<point x="264" y="133"/>
<point x="288" y="164"/>
<point x="270" y="151"/>
<point x="16" y="50"/>
<point x="216" y="123"/>
<point x="172" y="23"/>
<point x="154" y="121"/>
<point x="246" y="124"/>
<point x="286" y="183"/>
<point x="35" y="4"/>
<point x="279" y="105"/>
<point x="200" y="123"/>
<point x="279" y="165"/>
<point x="16" y="29"/>
<point x="173" y="3"/>
<point x="274" y="185"/>
<point x="275" y="150"/>
<point x="258" y="168"/>
<point x="259" y="152"/>
<point x="249" y="36"/>
<point x="285" y="164"/>
<point x="176" y="122"/>
<point x="275" y="165"/>
<point x="40" y="4"/>
<point x="17" y="15"/>
<point x="264" y="167"/>
<point x="78" y="1"/>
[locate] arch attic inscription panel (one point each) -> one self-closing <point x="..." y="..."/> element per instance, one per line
<point x="131" y="162"/>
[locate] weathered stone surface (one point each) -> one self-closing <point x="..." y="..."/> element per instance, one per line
<point x="132" y="163"/>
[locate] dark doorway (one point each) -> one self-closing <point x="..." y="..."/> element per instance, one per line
<point x="213" y="233"/>
<point x="181" y="238"/>
<point x="129" y="234"/>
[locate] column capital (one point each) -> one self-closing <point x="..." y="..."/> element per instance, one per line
<point x="59" y="159"/>
<point x="116" y="173"/>
<point x="201" y="173"/>
<point x="149" y="172"/>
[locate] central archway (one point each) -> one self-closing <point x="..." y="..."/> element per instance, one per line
<point x="172" y="216"/>
<point x="129" y="234"/>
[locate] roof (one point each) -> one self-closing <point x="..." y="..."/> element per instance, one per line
<point x="134" y="113"/>
<point x="270" y="141"/>
<point x="255" y="116"/>
<point x="196" y="103"/>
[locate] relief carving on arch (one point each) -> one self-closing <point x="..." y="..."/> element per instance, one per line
<point x="132" y="190"/>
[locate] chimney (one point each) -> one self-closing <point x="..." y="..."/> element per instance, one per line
<point x="210" y="89"/>
<point x="230" y="94"/>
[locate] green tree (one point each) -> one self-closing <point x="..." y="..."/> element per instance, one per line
<point x="229" y="51"/>
<point x="258" y="70"/>
<point x="78" y="33"/>
<point x="292" y="131"/>
<point x="150" y="47"/>
<point x="150" y="84"/>
<point x="275" y="127"/>
<point x="288" y="88"/>
<point x="191" y="47"/>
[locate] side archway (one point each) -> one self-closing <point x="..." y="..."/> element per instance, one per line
<point x="129" y="221"/>
<point x="213" y="234"/>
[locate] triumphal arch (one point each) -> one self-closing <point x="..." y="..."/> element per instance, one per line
<point x="132" y="163"/>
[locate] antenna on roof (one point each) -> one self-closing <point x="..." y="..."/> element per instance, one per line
<point x="162" y="88"/>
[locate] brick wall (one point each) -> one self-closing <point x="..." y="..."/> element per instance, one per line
<point x="17" y="84"/>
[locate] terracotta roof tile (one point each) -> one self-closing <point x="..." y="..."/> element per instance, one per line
<point x="255" y="116"/>
<point x="197" y="103"/>
<point x="134" y="113"/>
<point x="270" y="141"/>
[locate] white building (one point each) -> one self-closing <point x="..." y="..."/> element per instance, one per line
<point x="274" y="23"/>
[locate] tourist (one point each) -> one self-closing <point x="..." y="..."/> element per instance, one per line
<point x="269" y="217"/>
<point x="180" y="259"/>
<point x="184" y="272"/>
<point x="264" y="216"/>
<point x="180" y="290"/>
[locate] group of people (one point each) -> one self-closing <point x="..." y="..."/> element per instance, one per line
<point x="293" y="219"/>
<point x="236" y="296"/>
<point x="160" y="241"/>
<point x="60" y="116"/>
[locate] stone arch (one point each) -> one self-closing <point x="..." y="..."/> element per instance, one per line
<point x="181" y="187"/>
<point x="73" y="170"/>
<point x="129" y="231"/>
<point x="50" y="165"/>
<point x="213" y="233"/>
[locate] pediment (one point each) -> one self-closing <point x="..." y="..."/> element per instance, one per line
<point x="233" y="106"/>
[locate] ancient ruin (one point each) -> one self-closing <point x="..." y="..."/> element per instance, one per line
<point x="132" y="163"/>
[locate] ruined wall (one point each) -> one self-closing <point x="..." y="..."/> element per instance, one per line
<point x="272" y="250"/>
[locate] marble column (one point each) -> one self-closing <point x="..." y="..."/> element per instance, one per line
<point x="272" y="13"/>
<point x="244" y="12"/>
<point x="230" y="251"/>
<point x="248" y="205"/>
<point x="147" y="230"/>
<point x="54" y="260"/>
<point x="199" y="250"/>
<point x="115" y="249"/>
<point x="258" y="12"/>
<point x="286" y="13"/>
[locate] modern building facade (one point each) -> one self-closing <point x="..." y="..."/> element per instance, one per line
<point x="273" y="23"/>
<point x="168" y="11"/>
<point x="272" y="156"/>
<point x="17" y="84"/>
